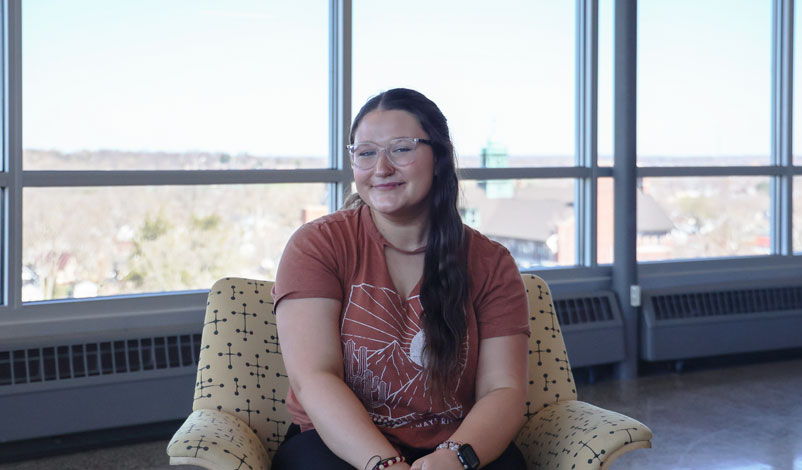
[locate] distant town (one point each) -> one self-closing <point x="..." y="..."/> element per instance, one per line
<point x="101" y="241"/>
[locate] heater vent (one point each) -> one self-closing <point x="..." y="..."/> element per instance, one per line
<point x="592" y="328"/>
<point x="72" y="361"/>
<point x="581" y="310"/>
<point x="732" y="302"/>
<point x="681" y="325"/>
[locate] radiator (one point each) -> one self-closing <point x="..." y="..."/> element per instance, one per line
<point x="592" y="328"/>
<point x="687" y="324"/>
<point x="73" y="386"/>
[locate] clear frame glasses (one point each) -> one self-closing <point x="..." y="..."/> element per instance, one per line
<point x="400" y="152"/>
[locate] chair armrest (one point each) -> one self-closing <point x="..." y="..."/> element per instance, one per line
<point x="577" y="435"/>
<point x="216" y="440"/>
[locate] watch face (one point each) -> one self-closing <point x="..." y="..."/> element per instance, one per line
<point x="468" y="457"/>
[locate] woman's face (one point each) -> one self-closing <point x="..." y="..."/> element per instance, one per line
<point x="392" y="191"/>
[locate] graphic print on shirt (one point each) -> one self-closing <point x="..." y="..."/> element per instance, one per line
<point x="384" y="363"/>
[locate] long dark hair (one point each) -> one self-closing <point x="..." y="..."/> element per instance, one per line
<point x="444" y="289"/>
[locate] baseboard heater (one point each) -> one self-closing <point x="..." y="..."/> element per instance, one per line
<point x="686" y="324"/>
<point x="84" y="385"/>
<point x="592" y="328"/>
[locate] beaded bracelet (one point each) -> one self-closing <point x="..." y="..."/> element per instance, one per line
<point x="384" y="463"/>
<point x="450" y="445"/>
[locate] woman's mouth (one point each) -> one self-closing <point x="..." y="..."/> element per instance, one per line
<point x="387" y="185"/>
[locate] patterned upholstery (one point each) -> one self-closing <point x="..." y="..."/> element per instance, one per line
<point x="239" y="416"/>
<point x="561" y="432"/>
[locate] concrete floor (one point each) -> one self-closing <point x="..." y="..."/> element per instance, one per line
<point x="742" y="417"/>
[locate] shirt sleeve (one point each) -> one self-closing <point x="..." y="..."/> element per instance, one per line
<point x="502" y="308"/>
<point x="308" y="266"/>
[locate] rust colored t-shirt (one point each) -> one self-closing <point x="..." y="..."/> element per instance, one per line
<point x="341" y="256"/>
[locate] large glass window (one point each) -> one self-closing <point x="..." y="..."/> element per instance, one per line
<point x="534" y="219"/>
<point x="502" y="72"/>
<point x="176" y="85"/>
<point x="704" y="82"/>
<point x="681" y="218"/>
<point x="100" y="241"/>
<point x="202" y="85"/>
<point x="209" y="85"/>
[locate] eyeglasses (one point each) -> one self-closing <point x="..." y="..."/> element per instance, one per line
<point x="400" y="152"/>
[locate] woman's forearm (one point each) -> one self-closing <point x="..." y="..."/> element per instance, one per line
<point x="342" y="421"/>
<point x="492" y="423"/>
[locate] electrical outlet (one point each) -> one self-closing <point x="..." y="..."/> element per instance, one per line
<point x="634" y="296"/>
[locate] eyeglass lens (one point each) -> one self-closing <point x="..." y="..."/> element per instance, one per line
<point x="401" y="152"/>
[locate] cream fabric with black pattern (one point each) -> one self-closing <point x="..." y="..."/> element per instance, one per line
<point x="240" y="415"/>
<point x="561" y="432"/>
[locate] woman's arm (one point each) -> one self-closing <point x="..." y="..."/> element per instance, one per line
<point x="500" y="405"/>
<point x="312" y="351"/>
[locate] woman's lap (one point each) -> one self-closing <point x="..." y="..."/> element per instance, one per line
<point x="307" y="450"/>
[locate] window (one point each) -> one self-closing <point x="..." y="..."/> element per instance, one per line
<point x="695" y="217"/>
<point x="505" y="75"/>
<point x="207" y="89"/>
<point x="533" y="218"/>
<point x="704" y="108"/>
<point x="156" y="153"/>
<point x="112" y="240"/>
<point x="502" y="73"/>
<point x="196" y="86"/>
<point x="695" y="64"/>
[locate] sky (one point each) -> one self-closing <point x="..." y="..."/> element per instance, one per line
<point x="251" y="76"/>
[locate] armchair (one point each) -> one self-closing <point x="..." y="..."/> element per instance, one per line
<point x="239" y="418"/>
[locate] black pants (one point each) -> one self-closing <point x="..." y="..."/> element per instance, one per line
<point x="305" y="450"/>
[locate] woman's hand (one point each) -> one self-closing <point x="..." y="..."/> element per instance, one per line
<point x="443" y="459"/>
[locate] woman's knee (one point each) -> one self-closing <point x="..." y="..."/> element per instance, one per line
<point x="511" y="459"/>
<point x="307" y="450"/>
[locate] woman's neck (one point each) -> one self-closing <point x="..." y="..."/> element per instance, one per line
<point x="405" y="233"/>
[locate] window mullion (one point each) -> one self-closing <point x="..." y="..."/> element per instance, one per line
<point x="340" y="50"/>
<point x="586" y="129"/>
<point x="177" y="177"/>
<point x="12" y="150"/>
<point x="781" y="149"/>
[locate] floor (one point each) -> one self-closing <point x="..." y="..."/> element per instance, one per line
<point x="746" y="416"/>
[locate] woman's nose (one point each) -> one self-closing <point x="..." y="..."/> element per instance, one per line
<point x="383" y="164"/>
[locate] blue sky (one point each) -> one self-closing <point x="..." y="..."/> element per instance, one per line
<point x="252" y="75"/>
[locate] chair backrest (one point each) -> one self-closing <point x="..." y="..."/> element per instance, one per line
<point x="241" y="371"/>
<point x="550" y="376"/>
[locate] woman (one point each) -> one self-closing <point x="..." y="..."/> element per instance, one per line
<point x="404" y="332"/>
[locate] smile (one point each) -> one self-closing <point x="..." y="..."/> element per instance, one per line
<point x="387" y="185"/>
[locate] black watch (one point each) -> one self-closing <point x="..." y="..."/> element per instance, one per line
<point x="467" y="457"/>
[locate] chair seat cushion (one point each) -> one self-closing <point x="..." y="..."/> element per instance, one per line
<point x="215" y="439"/>
<point x="577" y="435"/>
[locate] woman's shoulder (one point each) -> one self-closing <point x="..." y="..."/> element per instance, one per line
<point x="342" y="216"/>
<point x="340" y="222"/>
